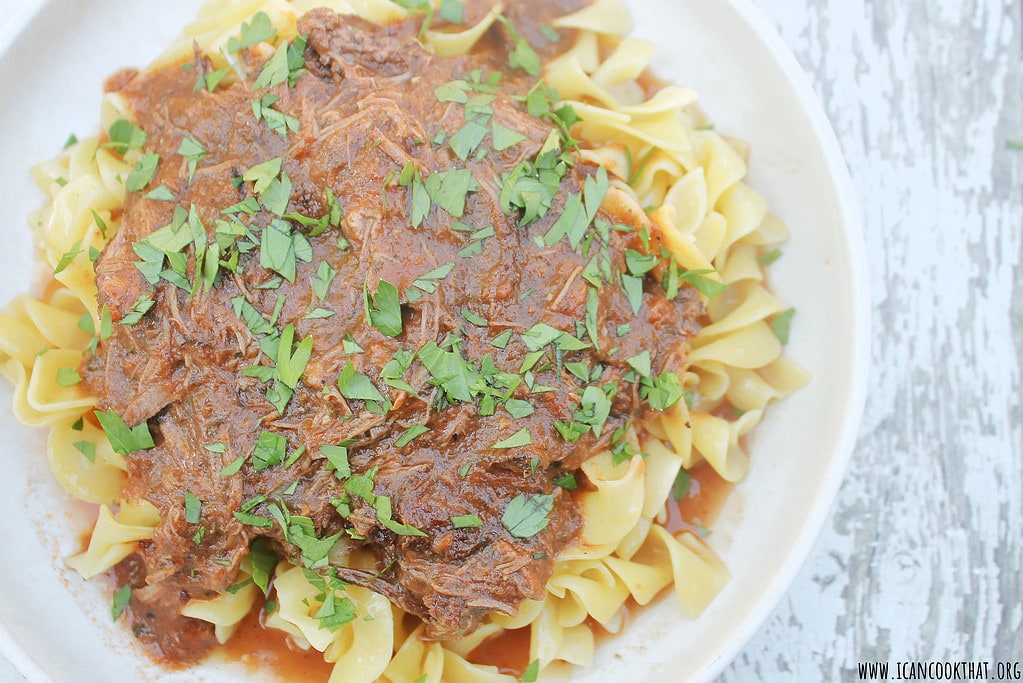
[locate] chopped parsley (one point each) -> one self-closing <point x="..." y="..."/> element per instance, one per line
<point x="192" y="151"/>
<point x="259" y="29"/>
<point x="68" y="257"/>
<point x="709" y="288"/>
<point x="270" y="450"/>
<point x="662" y="391"/>
<point x="193" y="508"/>
<point x="383" y="309"/>
<point x="143" y="172"/>
<point x="680" y="488"/>
<point x="87" y="449"/>
<point x="138" y="309"/>
<point x="767" y="258"/>
<point x="276" y="120"/>
<point x="357" y="386"/>
<point x="526" y="516"/>
<point x="452" y="11"/>
<point x="337" y="456"/>
<point x="233" y="467"/>
<point x="124" y="439"/>
<point x="124" y="136"/>
<point x="412" y="432"/>
<point x="782" y="324"/>
<point x="466" y="522"/>
<point x="516" y="440"/>
<point x="281" y="248"/>
<point x="286" y="65"/>
<point x="264" y="560"/>
<point x="428" y="282"/>
<point x="67" y="377"/>
<point x="122" y="596"/>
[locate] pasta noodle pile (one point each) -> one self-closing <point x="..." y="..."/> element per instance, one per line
<point x="669" y="171"/>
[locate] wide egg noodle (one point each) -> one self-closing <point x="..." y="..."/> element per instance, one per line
<point x="96" y="479"/>
<point x="670" y="172"/>
<point x="416" y="658"/>
<point x="227" y="610"/>
<point x="361" y="650"/>
<point x="446" y="44"/>
<point x="115" y="538"/>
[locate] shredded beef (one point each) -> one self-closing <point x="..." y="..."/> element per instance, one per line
<point x="366" y="108"/>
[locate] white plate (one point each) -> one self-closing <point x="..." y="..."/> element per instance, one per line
<point x="53" y="58"/>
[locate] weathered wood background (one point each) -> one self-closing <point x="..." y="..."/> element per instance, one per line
<point x="923" y="559"/>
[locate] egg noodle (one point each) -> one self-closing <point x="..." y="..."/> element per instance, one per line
<point x="670" y="172"/>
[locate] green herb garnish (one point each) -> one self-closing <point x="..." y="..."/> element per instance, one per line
<point x="526" y="516"/>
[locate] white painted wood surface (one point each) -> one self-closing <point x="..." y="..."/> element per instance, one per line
<point x="923" y="559"/>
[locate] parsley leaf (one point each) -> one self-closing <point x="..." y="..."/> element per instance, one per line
<point x="680" y="489"/>
<point x="87" y="449"/>
<point x="281" y="248"/>
<point x="567" y="481"/>
<point x="595" y="407"/>
<point x="526" y="516"/>
<point x="709" y="288"/>
<point x="633" y="287"/>
<point x="504" y="137"/>
<point x="233" y="467"/>
<point x="325" y="275"/>
<point x="143" y="172"/>
<point x="782" y="324"/>
<point x="641" y="363"/>
<point x="270" y="450"/>
<point x="124" y="439"/>
<point x="264" y="560"/>
<point x="412" y="432"/>
<point x="120" y="603"/>
<point x="68" y="257"/>
<point x="662" y="391"/>
<point x="138" y="309"/>
<point x="337" y="456"/>
<point x="452" y="10"/>
<point x="466" y="522"/>
<point x="519" y="438"/>
<point x="192" y="151"/>
<point x="67" y="377"/>
<point x="263" y="174"/>
<point x="275" y="71"/>
<point x="448" y="189"/>
<point x="357" y="386"/>
<point x="291" y="363"/>
<point x="259" y="29"/>
<point x="335" y="612"/>
<point x="769" y="257"/>
<point x="125" y="135"/>
<point x="523" y="56"/>
<point x="468" y="138"/>
<point x="193" y="508"/>
<point x="428" y="281"/>
<point x="383" y="310"/>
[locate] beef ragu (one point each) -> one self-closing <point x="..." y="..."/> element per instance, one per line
<point x="371" y="303"/>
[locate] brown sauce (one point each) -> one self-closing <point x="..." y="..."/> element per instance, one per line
<point x="708" y="493"/>
<point x="260" y="649"/>
<point x="508" y="651"/>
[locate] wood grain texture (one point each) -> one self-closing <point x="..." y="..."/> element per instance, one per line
<point x="923" y="558"/>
